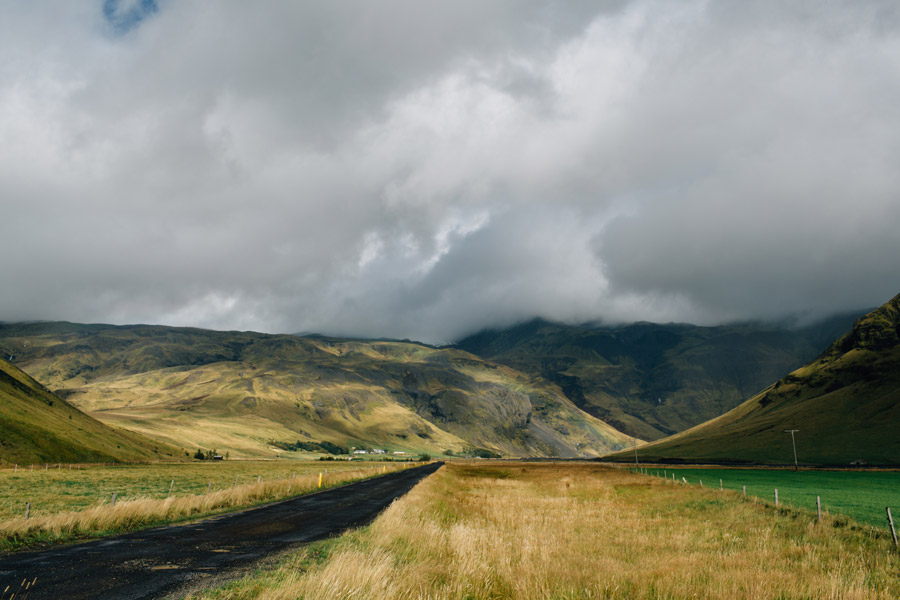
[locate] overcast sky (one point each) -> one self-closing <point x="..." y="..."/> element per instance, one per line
<point x="422" y="169"/>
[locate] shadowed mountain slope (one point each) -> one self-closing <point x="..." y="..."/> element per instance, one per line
<point x="38" y="427"/>
<point x="845" y="404"/>
<point x="652" y="380"/>
<point x="240" y="390"/>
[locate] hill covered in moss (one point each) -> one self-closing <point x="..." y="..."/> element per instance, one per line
<point x="845" y="405"/>
<point x="39" y="427"/>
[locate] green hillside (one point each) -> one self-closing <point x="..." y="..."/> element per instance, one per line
<point x="845" y="404"/>
<point x="653" y="380"/>
<point x="39" y="427"/>
<point x="237" y="391"/>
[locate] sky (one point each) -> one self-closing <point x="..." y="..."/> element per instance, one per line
<point x="423" y="170"/>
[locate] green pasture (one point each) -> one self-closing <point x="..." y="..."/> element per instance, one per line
<point x="860" y="495"/>
<point x="58" y="489"/>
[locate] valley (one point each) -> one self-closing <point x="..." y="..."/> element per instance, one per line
<point x="652" y="380"/>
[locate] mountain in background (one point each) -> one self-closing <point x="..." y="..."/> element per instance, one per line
<point x="845" y="406"/>
<point x="39" y="427"/>
<point x="238" y="391"/>
<point x="652" y="380"/>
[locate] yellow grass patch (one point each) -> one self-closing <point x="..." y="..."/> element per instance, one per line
<point x="581" y="531"/>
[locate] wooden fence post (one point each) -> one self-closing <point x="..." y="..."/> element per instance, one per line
<point x="891" y="523"/>
<point x="745" y="491"/>
<point x="27" y="510"/>
<point x="720" y="485"/>
<point x="171" y="485"/>
<point x="259" y="479"/>
<point x="776" y="497"/>
<point x="113" y="503"/>
<point x="819" y="507"/>
<point x="208" y="488"/>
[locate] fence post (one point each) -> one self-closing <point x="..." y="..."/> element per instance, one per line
<point x="208" y="487"/>
<point x="171" y="485"/>
<point x="27" y="510"/>
<point x="721" y="487"/>
<point x="745" y="491"/>
<point x="819" y="507"/>
<point x="776" y="497"/>
<point x="891" y="523"/>
<point x="113" y="503"/>
<point x="259" y="479"/>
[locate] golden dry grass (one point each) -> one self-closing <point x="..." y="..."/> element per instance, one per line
<point x="577" y="532"/>
<point x="138" y="512"/>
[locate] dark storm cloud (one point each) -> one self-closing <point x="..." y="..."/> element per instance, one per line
<point x="421" y="169"/>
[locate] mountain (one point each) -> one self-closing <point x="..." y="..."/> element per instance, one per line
<point x="652" y="380"/>
<point x="238" y="391"/>
<point x="845" y="406"/>
<point x="39" y="427"/>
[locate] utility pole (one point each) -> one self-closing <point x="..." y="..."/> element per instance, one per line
<point x="794" y="444"/>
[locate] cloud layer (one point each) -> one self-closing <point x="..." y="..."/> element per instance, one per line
<point x="422" y="170"/>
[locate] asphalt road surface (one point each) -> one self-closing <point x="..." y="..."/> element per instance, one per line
<point x="158" y="562"/>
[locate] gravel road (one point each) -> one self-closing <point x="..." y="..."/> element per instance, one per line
<point x="157" y="563"/>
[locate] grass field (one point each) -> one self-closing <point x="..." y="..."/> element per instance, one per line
<point x="579" y="531"/>
<point x="861" y="495"/>
<point x="58" y="489"/>
<point x="73" y="504"/>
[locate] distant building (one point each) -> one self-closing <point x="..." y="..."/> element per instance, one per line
<point x="377" y="451"/>
<point x="360" y="452"/>
<point x="218" y="457"/>
<point x="858" y="463"/>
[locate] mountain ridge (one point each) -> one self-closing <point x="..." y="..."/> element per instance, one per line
<point x="246" y="388"/>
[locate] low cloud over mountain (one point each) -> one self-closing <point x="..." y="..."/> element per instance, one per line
<point x="423" y="170"/>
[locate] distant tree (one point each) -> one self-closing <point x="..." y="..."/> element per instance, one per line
<point x="199" y="455"/>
